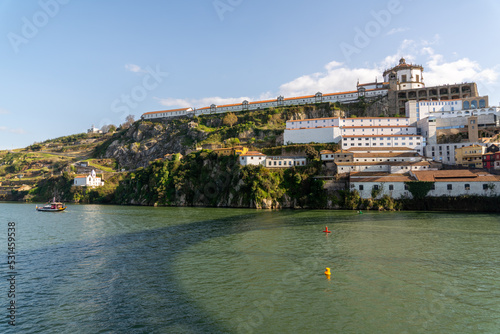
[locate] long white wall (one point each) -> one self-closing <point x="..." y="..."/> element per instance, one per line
<point x="344" y="97"/>
<point x="313" y="135"/>
<point x="441" y="189"/>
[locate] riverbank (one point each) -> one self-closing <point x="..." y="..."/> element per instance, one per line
<point x="205" y="179"/>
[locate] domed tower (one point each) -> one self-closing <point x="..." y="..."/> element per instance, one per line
<point x="405" y="76"/>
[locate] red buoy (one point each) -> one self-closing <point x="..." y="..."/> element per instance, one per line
<point x="326" y="230"/>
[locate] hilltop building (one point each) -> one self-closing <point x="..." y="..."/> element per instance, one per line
<point x="93" y="129"/>
<point x="403" y="82"/>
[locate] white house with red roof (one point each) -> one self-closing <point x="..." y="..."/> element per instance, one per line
<point x="90" y="180"/>
<point x="445" y="183"/>
<point x="252" y="158"/>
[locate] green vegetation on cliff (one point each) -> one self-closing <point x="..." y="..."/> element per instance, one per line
<point x="207" y="179"/>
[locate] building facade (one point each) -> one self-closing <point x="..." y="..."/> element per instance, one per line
<point x="445" y="183"/>
<point x="470" y="156"/>
<point x="90" y="180"/>
<point x="252" y="158"/>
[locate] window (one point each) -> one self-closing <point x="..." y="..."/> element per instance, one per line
<point x="467" y="186"/>
<point x="361" y="187"/>
<point x="406" y="186"/>
<point x="449" y="187"/>
<point x="391" y="187"/>
<point x="485" y="186"/>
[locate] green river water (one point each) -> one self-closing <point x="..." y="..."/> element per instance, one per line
<point x="118" y="269"/>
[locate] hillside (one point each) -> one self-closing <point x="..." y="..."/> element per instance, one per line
<point x="133" y="163"/>
<point x="147" y="141"/>
<point x="24" y="169"/>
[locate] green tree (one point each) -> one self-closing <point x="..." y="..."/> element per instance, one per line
<point x="419" y="189"/>
<point x="230" y="119"/>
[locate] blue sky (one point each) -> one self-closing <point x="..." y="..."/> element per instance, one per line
<point x="68" y="64"/>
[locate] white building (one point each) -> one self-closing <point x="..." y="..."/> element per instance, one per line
<point x="322" y="135"/>
<point x="391" y="167"/>
<point x="90" y="180"/>
<point x="285" y="162"/>
<point x="460" y="182"/>
<point x="355" y="132"/>
<point x="167" y="113"/>
<point x="407" y="76"/>
<point x="445" y="153"/>
<point x="384" y="183"/>
<point x="93" y="129"/>
<point x="327" y="155"/>
<point x="446" y="183"/>
<point x="280" y="101"/>
<point x="252" y="158"/>
<point x="448" y="109"/>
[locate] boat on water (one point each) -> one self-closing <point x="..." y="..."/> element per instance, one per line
<point x="52" y="206"/>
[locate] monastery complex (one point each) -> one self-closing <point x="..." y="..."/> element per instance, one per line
<point x="384" y="153"/>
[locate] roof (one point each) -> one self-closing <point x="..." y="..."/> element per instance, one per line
<point x="379" y="177"/>
<point x="455" y="176"/>
<point x="312" y="119"/>
<point x="343" y="118"/>
<point x="343" y="93"/>
<point x="265" y="101"/>
<point x="253" y="154"/>
<point x="165" y="111"/>
<point x="386" y="155"/>
<point x="326" y="152"/>
<point x="373" y="83"/>
<point x="311" y="128"/>
<point x="439" y="100"/>
<point x="384" y="163"/>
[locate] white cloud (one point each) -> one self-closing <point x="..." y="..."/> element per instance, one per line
<point x="207" y="101"/>
<point x="4" y="112"/>
<point x="397" y="30"/>
<point x="16" y="131"/>
<point x="134" y="68"/>
<point x="336" y="77"/>
<point x="438" y="71"/>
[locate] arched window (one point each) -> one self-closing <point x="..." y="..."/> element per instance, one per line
<point x="466" y="105"/>
<point x="473" y="104"/>
<point x="482" y="103"/>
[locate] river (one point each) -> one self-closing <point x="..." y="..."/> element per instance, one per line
<point x="122" y="269"/>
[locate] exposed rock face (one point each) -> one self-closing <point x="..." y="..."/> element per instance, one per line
<point x="144" y="142"/>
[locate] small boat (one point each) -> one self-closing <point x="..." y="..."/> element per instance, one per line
<point x="52" y="206"/>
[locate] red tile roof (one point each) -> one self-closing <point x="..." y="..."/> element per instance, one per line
<point x="454" y="176"/>
<point x="253" y="154"/>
